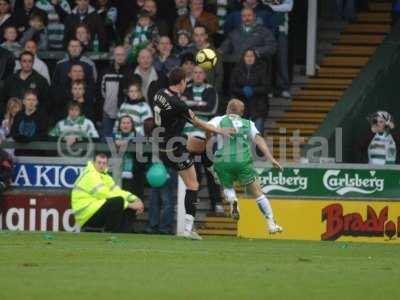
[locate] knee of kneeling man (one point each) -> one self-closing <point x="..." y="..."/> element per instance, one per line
<point x="117" y="202"/>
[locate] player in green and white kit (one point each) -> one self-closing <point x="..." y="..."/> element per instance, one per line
<point x="233" y="160"/>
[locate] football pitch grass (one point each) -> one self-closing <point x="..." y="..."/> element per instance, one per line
<point x="105" y="266"/>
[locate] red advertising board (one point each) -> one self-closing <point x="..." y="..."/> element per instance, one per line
<point x="36" y="211"/>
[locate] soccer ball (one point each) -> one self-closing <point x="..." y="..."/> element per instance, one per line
<point x="206" y="59"/>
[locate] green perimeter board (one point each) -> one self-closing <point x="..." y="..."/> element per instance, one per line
<point x="331" y="183"/>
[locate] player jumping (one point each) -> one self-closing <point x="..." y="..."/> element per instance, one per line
<point x="233" y="160"/>
<point x="171" y="115"/>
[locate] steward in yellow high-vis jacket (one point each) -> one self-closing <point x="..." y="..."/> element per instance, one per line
<point x="98" y="202"/>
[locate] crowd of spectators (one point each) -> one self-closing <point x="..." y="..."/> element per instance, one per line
<point x="145" y="39"/>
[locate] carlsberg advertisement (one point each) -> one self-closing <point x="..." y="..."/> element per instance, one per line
<point x="316" y="182"/>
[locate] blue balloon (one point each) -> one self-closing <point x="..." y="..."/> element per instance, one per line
<point x="157" y="175"/>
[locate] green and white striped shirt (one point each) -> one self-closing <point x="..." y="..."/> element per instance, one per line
<point x="55" y="29"/>
<point x="382" y="149"/>
<point x="237" y="147"/>
<point x="139" y="111"/>
<point x="79" y="127"/>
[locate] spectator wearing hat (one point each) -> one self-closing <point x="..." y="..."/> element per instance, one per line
<point x="380" y="146"/>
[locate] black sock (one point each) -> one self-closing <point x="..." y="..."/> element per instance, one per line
<point x="207" y="162"/>
<point x="190" y="202"/>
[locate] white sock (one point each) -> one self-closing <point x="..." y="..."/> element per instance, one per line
<point x="265" y="207"/>
<point x="230" y="195"/>
<point x="189" y="219"/>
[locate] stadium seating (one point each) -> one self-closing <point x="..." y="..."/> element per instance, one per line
<point x="318" y="95"/>
<point x="350" y="53"/>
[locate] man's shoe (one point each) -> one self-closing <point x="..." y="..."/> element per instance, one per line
<point x="273" y="227"/>
<point x="219" y="209"/>
<point x="192" y="235"/>
<point x="286" y="95"/>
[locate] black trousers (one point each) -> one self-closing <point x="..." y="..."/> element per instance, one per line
<point x="112" y="217"/>
<point x="137" y="184"/>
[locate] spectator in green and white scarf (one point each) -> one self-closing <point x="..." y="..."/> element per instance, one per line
<point x="74" y="127"/>
<point x="141" y="35"/>
<point x="125" y="134"/>
<point x="133" y="170"/>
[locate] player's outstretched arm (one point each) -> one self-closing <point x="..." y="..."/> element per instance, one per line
<point x="211" y="128"/>
<point x="262" y="145"/>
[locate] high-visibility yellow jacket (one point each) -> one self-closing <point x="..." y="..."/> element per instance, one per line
<point x="91" y="190"/>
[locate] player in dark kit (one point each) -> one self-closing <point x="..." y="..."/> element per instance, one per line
<point x="171" y="115"/>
